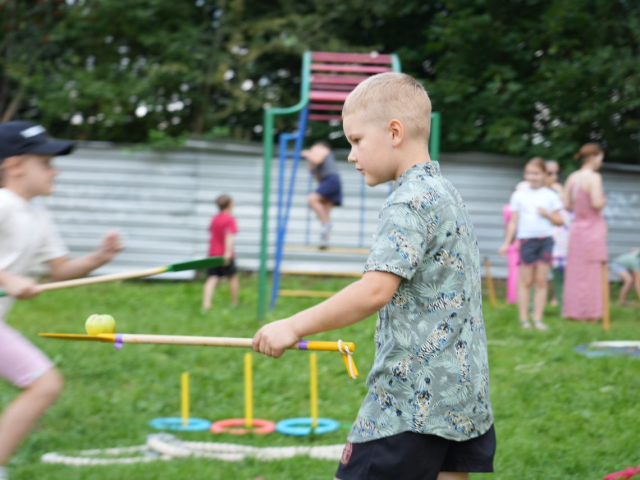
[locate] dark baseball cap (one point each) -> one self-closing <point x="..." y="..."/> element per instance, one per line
<point x="21" y="137"/>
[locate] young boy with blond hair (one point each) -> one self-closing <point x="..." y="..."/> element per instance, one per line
<point x="427" y="414"/>
<point x="29" y="241"/>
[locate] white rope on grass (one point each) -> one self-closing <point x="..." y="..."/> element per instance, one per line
<point x="165" y="447"/>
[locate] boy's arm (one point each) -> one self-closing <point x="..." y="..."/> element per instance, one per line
<point x="63" y="268"/>
<point x="228" y="247"/>
<point x="352" y="304"/>
<point x="18" y="286"/>
<point x="313" y="156"/>
<point x="553" y="217"/>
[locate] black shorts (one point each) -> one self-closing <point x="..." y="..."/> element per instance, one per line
<point x="223" y="271"/>
<point x="535" y="250"/>
<point x="415" y="456"/>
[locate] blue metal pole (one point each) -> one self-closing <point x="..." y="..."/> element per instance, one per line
<point x="284" y="221"/>
<point x="309" y="189"/>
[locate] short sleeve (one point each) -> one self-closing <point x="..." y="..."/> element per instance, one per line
<point x="53" y="246"/>
<point x="514" y="203"/>
<point x="233" y="225"/>
<point x="400" y="242"/>
<point x="556" y="203"/>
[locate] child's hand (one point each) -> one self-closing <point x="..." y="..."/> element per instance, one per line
<point x="543" y="212"/>
<point x="503" y="249"/>
<point x="227" y="259"/>
<point x="18" y="286"/>
<point x="111" y="245"/>
<point x="274" y="338"/>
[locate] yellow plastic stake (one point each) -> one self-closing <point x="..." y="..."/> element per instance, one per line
<point x="313" y="373"/>
<point x="185" y="399"/>
<point x="248" y="391"/>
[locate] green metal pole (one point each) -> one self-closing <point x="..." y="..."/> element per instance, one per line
<point x="266" y="186"/>
<point x="434" y="139"/>
<point x="267" y="142"/>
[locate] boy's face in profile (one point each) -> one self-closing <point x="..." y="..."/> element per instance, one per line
<point x="35" y="173"/>
<point x="371" y="149"/>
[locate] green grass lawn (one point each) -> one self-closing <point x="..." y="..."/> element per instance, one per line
<point x="558" y="414"/>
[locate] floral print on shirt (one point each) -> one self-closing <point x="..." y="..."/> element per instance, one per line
<point x="430" y="373"/>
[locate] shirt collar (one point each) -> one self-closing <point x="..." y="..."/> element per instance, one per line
<point x="16" y="200"/>
<point x="431" y="169"/>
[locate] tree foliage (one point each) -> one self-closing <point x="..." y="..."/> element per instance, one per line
<point x="521" y="77"/>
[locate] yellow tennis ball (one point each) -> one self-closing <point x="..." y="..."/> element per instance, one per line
<point x="97" y="324"/>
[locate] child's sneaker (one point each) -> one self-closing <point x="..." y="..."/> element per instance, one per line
<point x="325" y="234"/>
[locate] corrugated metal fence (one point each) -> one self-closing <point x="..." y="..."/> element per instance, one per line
<point x="163" y="202"/>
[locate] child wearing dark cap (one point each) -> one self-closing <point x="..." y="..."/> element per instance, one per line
<point x="30" y="241"/>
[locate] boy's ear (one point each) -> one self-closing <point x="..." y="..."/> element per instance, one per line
<point x="396" y="129"/>
<point x="10" y="164"/>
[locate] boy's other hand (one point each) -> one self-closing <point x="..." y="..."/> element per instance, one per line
<point x="111" y="245"/>
<point x="227" y="260"/>
<point x="274" y="338"/>
<point x="18" y="286"/>
<point x="543" y="212"/>
<point x="503" y="250"/>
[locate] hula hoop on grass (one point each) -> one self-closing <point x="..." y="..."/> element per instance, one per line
<point x="303" y="426"/>
<point x="610" y="348"/>
<point x="175" y="424"/>
<point x="258" y="426"/>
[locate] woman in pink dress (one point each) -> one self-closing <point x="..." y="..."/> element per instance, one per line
<point x="583" y="292"/>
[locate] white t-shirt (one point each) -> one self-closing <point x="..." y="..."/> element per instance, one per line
<point x="28" y="239"/>
<point x="526" y="202"/>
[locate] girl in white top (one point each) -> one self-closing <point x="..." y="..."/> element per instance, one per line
<point x="535" y="212"/>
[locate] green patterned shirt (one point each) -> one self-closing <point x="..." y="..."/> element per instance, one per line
<point x="431" y="373"/>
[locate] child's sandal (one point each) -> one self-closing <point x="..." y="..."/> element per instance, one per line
<point x="525" y="324"/>
<point x="539" y="325"/>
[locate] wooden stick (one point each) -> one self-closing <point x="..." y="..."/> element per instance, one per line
<point x="176" y="267"/>
<point x="121" y="338"/>
<point x="306" y="293"/>
<point x="344" y="250"/>
<point x="606" y="319"/>
<point x="314" y="273"/>
<point x="491" y="287"/>
<point x="316" y="345"/>
<point x="114" y="277"/>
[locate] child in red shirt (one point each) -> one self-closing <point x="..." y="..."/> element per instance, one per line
<point x="222" y="229"/>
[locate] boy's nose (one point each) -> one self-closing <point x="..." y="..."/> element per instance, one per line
<point x="352" y="158"/>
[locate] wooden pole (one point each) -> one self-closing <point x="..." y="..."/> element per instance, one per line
<point x="100" y="279"/>
<point x="491" y="287"/>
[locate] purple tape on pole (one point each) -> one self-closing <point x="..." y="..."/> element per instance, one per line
<point x="118" y="343"/>
<point x="303" y="345"/>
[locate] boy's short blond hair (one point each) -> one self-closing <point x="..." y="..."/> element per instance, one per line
<point x="390" y="95"/>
